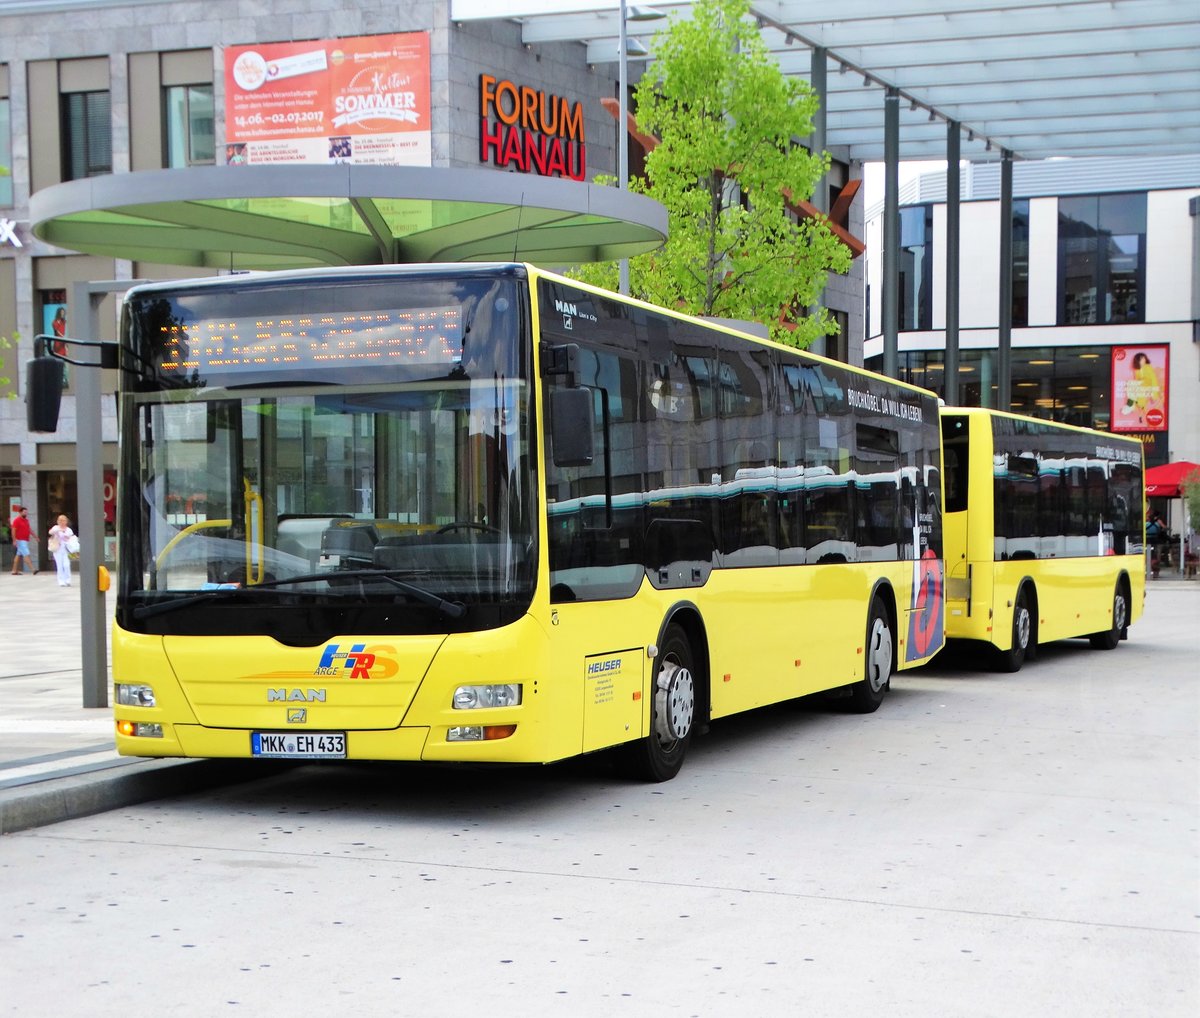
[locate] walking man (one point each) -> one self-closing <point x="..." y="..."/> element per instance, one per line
<point x="22" y="534"/>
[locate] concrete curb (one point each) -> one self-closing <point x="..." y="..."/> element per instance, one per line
<point x="82" y="795"/>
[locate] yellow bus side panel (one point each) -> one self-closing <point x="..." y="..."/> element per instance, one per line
<point x="1074" y="598"/>
<point x="613" y="686"/>
<point x="971" y="619"/>
<point x="783" y="633"/>
<point x="1074" y="595"/>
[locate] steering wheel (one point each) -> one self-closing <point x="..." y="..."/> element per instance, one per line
<point x="481" y="527"/>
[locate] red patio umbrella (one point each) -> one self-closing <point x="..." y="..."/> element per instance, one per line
<point x="1165" y="481"/>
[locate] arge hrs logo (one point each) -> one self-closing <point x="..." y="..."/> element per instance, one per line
<point x="361" y="661"/>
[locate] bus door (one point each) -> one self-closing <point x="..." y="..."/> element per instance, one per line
<point x="595" y="524"/>
<point x="956" y="459"/>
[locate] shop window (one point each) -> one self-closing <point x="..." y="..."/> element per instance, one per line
<point x="188" y="134"/>
<point x="86" y="134"/>
<point x="1066" y="384"/>
<point x="838" y="346"/>
<point x="1101" y="259"/>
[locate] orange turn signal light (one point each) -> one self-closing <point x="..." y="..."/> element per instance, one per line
<point x="125" y="727"/>
<point x="498" y="731"/>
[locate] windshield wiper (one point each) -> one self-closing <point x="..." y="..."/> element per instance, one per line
<point x="146" y="610"/>
<point x="451" y="609"/>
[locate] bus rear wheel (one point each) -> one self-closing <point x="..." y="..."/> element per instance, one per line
<point x="1109" y="639"/>
<point x="659" y="756"/>
<point x="1022" y="636"/>
<point x="867" y="694"/>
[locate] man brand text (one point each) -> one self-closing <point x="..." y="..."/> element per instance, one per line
<point x="533" y="131"/>
<point x="296" y="695"/>
<point x="566" y="307"/>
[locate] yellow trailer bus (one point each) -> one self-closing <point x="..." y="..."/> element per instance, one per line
<point x="484" y="513"/>
<point x="1044" y="530"/>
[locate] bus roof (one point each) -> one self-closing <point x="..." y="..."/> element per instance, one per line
<point x="728" y="328"/>
<point x="976" y="411"/>
<point x="341" y="273"/>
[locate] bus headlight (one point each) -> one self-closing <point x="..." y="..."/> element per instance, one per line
<point x="479" y="733"/>
<point x="133" y="695"/>
<point x="140" y="729"/>
<point x="477" y="697"/>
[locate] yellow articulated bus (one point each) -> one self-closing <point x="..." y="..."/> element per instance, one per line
<point x="484" y="513"/>
<point x="1044" y="531"/>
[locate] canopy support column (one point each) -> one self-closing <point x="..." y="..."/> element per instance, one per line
<point x="891" y="232"/>
<point x="820" y="198"/>
<point x="953" y="236"/>
<point x="818" y="139"/>
<point x="1004" y="358"/>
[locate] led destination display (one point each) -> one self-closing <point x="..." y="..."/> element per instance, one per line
<point x="302" y="343"/>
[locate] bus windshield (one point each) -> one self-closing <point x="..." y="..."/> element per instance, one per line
<point x="261" y="498"/>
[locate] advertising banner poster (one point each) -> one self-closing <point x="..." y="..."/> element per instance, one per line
<point x="54" y="323"/>
<point x="1139" y="387"/>
<point x="361" y="100"/>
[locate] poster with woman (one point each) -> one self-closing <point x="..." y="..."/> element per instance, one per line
<point x="54" y="323"/>
<point x="1139" y="387"/>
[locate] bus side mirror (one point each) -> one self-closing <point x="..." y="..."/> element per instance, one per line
<point x="44" y="381"/>
<point x="572" y="426"/>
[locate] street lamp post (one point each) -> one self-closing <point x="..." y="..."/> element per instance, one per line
<point x="623" y="132"/>
<point x="626" y="15"/>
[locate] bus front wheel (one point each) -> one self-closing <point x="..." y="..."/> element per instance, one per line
<point x="1109" y="639"/>
<point x="867" y="694"/>
<point x="1022" y="636"/>
<point x="660" y="754"/>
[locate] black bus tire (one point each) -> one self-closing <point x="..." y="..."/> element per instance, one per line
<point x="1109" y="638"/>
<point x="659" y="756"/>
<point x="1023" y="630"/>
<point x="867" y="694"/>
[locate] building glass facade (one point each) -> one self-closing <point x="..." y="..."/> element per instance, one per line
<point x="1105" y="297"/>
<point x="1020" y="262"/>
<point x="1101" y="259"/>
<point x="916" y="267"/>
<point x="1067" y="384"/>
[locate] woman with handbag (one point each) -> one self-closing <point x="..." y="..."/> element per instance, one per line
<point x="62" y="537"/>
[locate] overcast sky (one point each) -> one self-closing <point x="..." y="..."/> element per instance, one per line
<point x="873" y="177"/>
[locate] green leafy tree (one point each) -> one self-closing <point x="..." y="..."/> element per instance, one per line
<point x="727" y="162"/>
